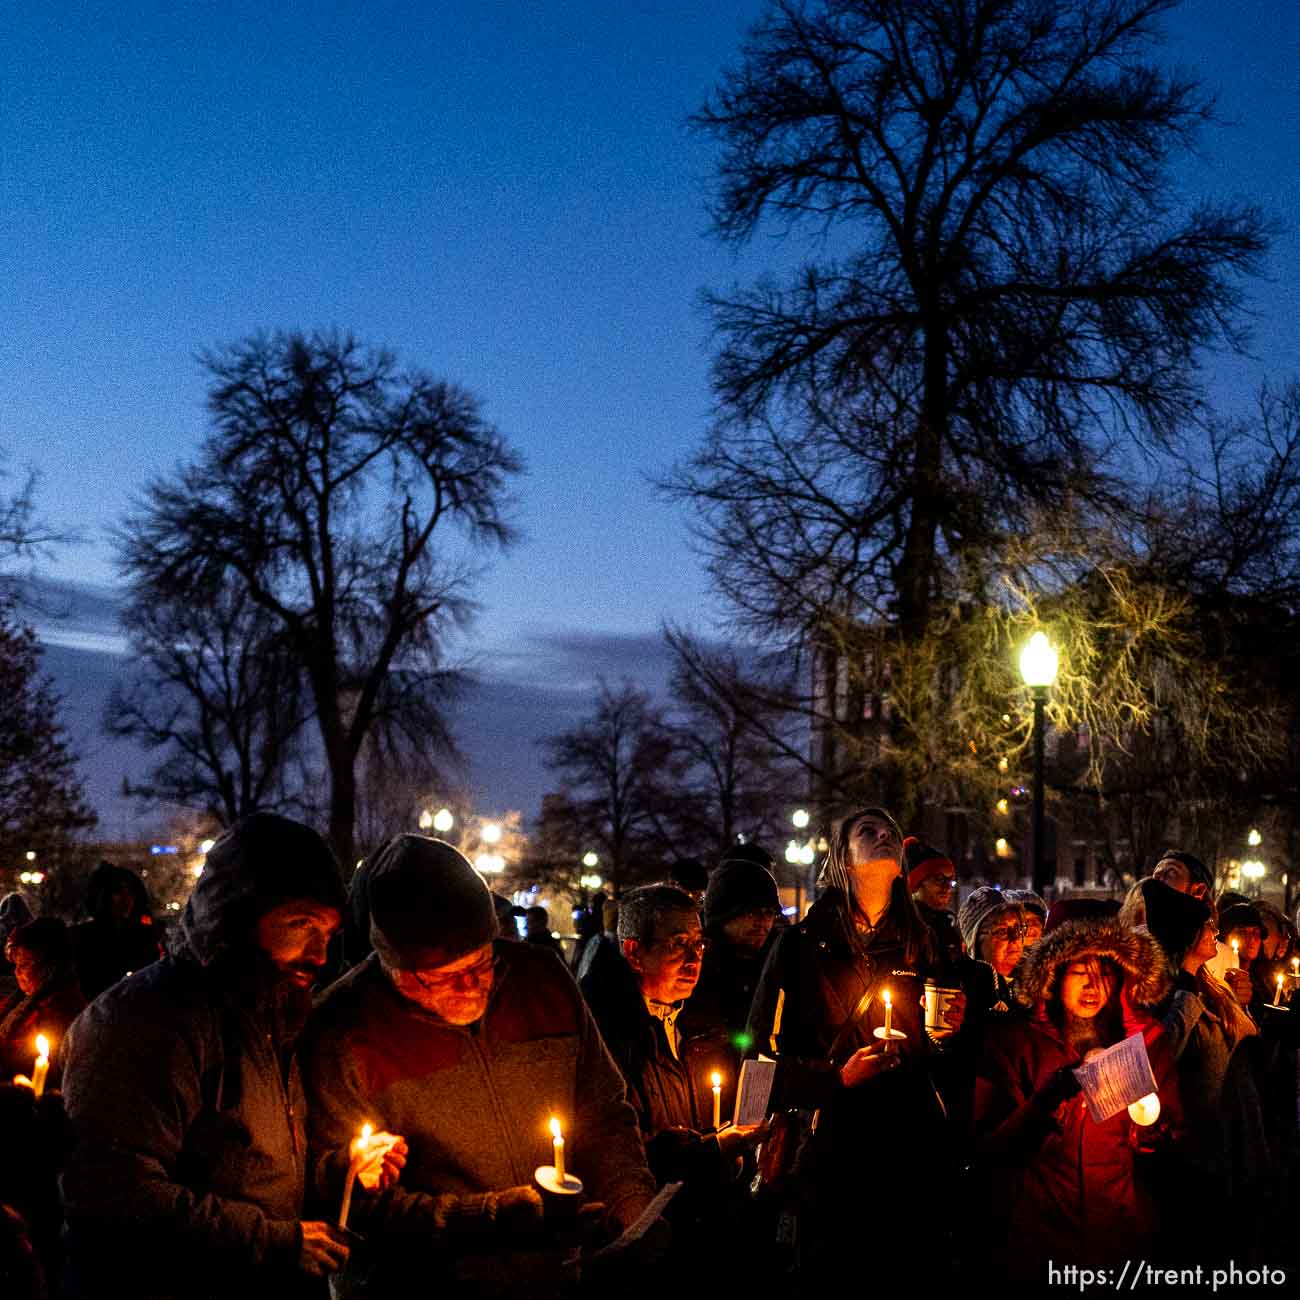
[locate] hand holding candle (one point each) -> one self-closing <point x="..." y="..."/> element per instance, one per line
<point x="359" y="1152"/>
<point x="717" y="1100"/>
<point x="1277" y="998"/>
<point x="887" y="1031"/>
<point x="42" y="1066"/>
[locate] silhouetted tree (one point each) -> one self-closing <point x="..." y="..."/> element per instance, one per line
<point x="325" y="492"/>
<point x="42" y="804"/>
<point x="1016" y="294"/>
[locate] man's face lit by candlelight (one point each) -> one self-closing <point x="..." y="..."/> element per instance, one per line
<point x="457" y="991"/>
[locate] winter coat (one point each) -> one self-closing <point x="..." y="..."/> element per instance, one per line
<point x="877" y="1146"/>
<point x="472" y="1102"/>
<point x="189" y="1171"/>
<point x="1062" y="1187"/>
<point x="49" y="1011"/>
<point x="671" y="1095"/>
<point x="105" y="949"/>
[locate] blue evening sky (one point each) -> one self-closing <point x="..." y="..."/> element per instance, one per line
<point x="503" y="193"/>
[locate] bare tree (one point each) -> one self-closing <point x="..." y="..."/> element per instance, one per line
<point x="1017" y="295"/>
<point x="740" y="746"/>
<point x="616" y="767"/>
<point x="326" y="491"/>
<point x="217" y="690"/>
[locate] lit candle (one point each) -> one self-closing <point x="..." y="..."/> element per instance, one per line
<point x="1146" y="1110"/>
<point x="357" y="1151"/>
<point x="557" y="1149"/>
<point x="717" y="1100"/>
<point x="889" y="1017"/>
<point x="42" y="1066"/>
<point x="1236" y="953"/>
<point x="1295" y="967"/>
<point x="1278" y="998"/>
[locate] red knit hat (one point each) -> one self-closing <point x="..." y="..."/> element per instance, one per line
<point x="920" y="861"/>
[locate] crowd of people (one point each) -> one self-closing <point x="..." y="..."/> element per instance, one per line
<point x="449" y="1100"/>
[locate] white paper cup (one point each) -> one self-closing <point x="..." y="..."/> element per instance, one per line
<point x="937" y="1001"/>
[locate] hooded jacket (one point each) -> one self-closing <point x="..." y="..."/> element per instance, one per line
<point x="106" y="949"/>
<point x="185" y="1099"/>
<point x="1062" y="1187"/>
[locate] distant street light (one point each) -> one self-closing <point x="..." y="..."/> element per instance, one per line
<point x="206" y="847"/>
<point x="800" y="817"/>
<point x="1253" y="869"/>
<point x="590" y="860"/>
<point x="31" y="855"/>
<point x="1038" y="664"/>
<point x="443" y="821"/>
<point x="426" y="820"/>
<point x="491" y="833"/>
<point x="1254" y="839"/>
<point x="490" y="864"/>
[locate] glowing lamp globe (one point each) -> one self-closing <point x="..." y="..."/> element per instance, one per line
<point x="800" y="818"/>
<point x="1038" y="661"/>
<point x="443" y="821"/>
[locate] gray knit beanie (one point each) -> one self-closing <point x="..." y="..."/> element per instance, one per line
<point x="428" y="906"/>
<point x="980" y="906"/>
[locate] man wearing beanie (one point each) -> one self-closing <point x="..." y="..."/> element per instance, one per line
<point x="930" y="880"/>
<point x="741" y="906"/>
<point x="467" y="1045"/>
<point x="184" y="1094"/>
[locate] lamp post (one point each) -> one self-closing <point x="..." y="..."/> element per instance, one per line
<point x="1038" y="665"/>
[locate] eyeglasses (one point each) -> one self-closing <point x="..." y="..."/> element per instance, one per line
<point x="944" y="882"/>
<point x="1007" y="933"/>
<point x="680" y="947"/>
<point x="475" y="975"/>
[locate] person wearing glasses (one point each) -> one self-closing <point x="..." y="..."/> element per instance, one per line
<point x="993" y="927"/>
<point x="931" y="879"/>
<point x="876" y="1144"/>
<point x="669" y="1070"/>
<point x="468" y="1045"/>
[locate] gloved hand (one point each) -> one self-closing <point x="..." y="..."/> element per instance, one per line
<point x="1060" y="1087"/>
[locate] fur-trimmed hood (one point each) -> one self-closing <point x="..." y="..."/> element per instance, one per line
<point x="1136" y="953"/>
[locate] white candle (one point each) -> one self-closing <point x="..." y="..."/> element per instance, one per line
<point x="1236" y="952"/>
<point x="717" y="1100"/>
<point x="557" y="1151"/>
<point x="1146" y="1110"/>
<point x="42" y="1066"/>
<point x="889" y="1017"/>
<point x="358" y="1153"/>
<point x="1278" y="998"/>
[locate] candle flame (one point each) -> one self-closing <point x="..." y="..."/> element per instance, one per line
<point x="555" y="1128"/>
<point x="886" y="997"/>
<point x="366" y="1131"/>
<point x="42" y="1045"/>
<point x="717" y="1079"/>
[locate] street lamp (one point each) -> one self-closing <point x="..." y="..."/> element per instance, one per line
<point x="590" y="860"/>
<point x="800" y="817"/>
<point x="1038" y="664"/>
<point x="443" y="821"/>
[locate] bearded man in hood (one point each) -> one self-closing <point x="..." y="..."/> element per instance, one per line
<point x="184" y="1093"/>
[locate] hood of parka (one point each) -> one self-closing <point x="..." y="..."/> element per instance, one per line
<point x="259" y="863"/>
<point x="1139" y="957"/>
